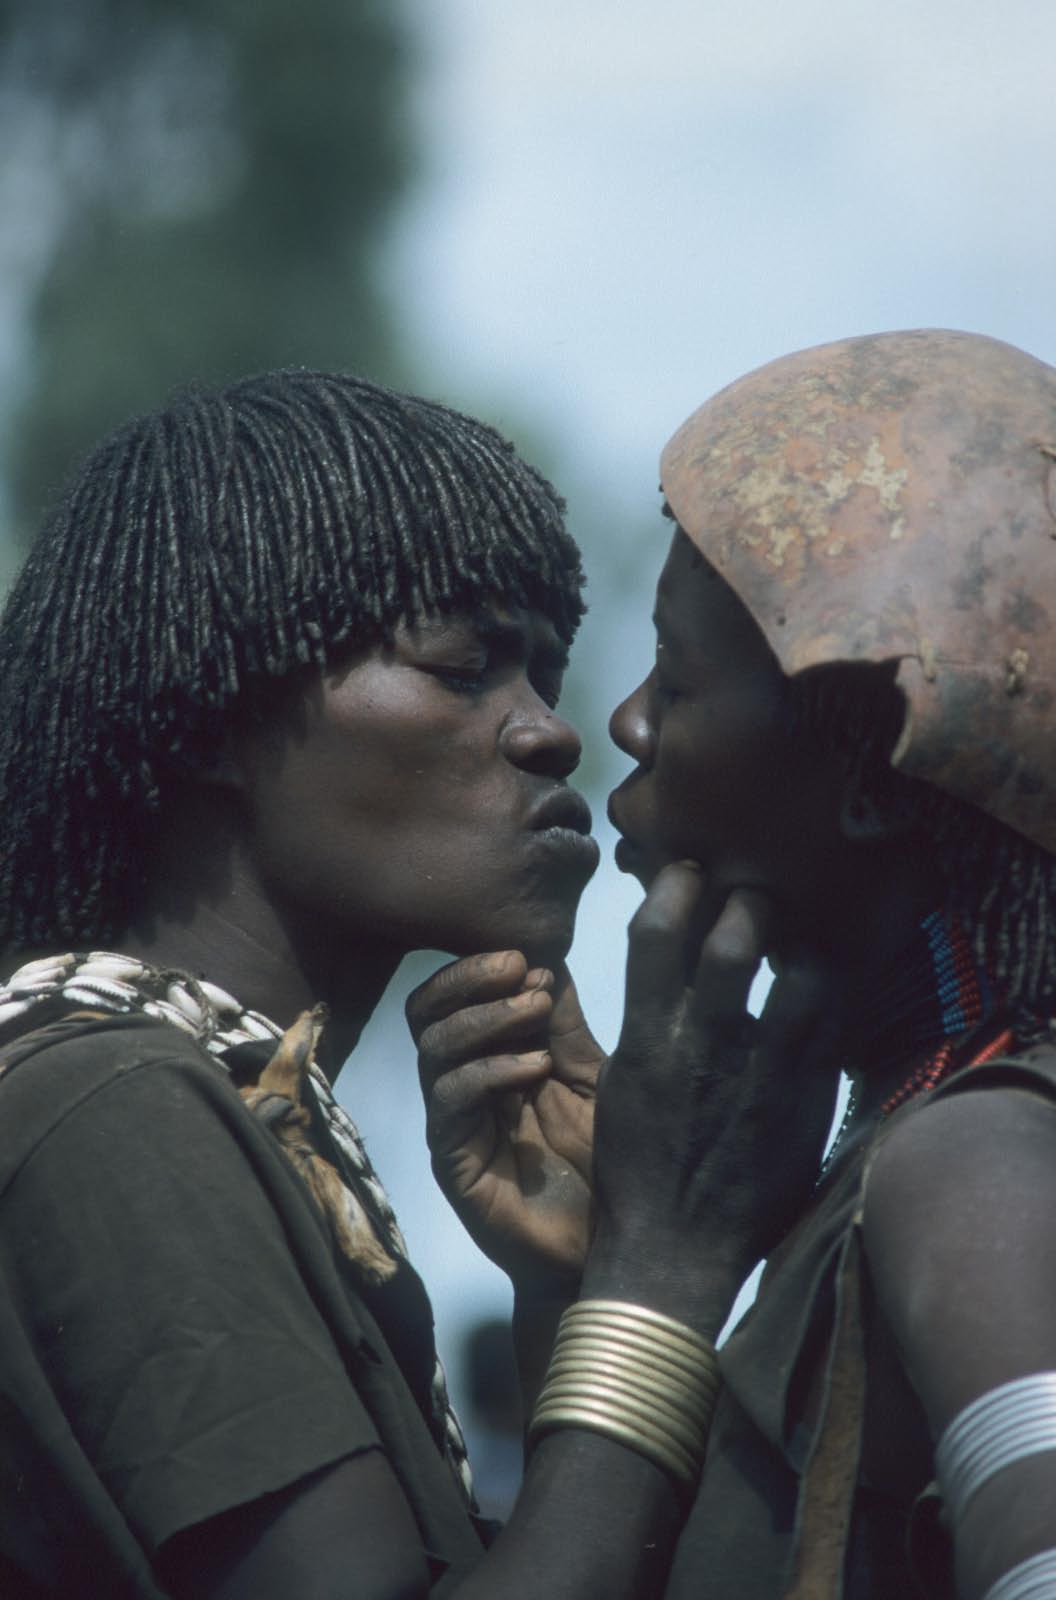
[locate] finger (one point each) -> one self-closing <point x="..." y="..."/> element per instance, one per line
<point x="458" y="1097"/>
<point x="465" y="982"/>
<point x="729" y="959"/>
<point x="656" y="946"/>
<point x="497" y="1027"/>
<point x="798" y="995"/>
<point x="577" y="1054"/>
<point x="800" y="1017"/>
<point x="567" y="1017"/>
<point x="797" y="1058"/>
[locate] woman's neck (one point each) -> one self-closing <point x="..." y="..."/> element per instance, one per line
<point x="242" y="944"/>
<point x="933" y="989"/>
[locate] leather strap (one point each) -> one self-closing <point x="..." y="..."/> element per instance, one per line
<point x="830" y="1477"/>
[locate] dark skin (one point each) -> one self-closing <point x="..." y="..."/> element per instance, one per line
<point x="312" y="856"/>
<point x="707" y="732"/>
<point x="719" y="778"/>
<point x="593" y="1518"/>
<point x="417" y="796"/>
<point x="970" y="1298"/>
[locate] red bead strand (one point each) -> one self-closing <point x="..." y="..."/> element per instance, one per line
<point x="931" y="1072"/>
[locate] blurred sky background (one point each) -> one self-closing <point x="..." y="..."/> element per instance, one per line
<point x="607" y="212"/>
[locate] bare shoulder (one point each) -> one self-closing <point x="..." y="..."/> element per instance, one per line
<point x="970" y="1145"/>
<point x="960" y="1242"/>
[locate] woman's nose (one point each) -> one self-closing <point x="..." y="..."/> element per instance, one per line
<point x="629" y="726"/>
<point x="542" y="742"/>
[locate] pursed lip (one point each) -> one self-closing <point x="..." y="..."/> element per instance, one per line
<point x="629" y="854"/>
<point x="562" y="808"/>
<point x="612" y="810"/>
<point x="559" y="828"/>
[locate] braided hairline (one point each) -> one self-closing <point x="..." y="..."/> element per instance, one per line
<point x="1000" y="885"/>
<point x="226" y="540"/>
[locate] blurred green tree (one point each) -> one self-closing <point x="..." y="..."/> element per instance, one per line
<point x="206" y="186"/>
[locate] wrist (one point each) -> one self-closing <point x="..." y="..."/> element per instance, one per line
<point x="538" y="1285"/>
<point x="643" y="1378"/>
<point x="535" y="1322"/>
<point x="690" y="1282"/>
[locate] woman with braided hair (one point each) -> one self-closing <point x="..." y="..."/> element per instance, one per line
<point x="851" y="717"/>
<point x="277" y="704"/>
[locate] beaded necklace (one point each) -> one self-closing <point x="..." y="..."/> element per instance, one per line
<point x="931" y="1072"/>
<point x="934" y="992"/>
<point x="964" y="998"/>
<point x="932" y="996"/>
<point x="108" y="981"/>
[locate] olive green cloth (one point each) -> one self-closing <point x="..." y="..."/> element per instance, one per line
<point x="177" y="1335"/>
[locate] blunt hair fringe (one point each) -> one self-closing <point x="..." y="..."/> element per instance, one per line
<point x="215" y="545"/>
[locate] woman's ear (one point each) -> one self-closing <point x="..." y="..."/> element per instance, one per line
<point x="224" y="771"/>
<point x="254" y="736"/>
<point x="219" y="767"/>
<point x="870" y="815"/>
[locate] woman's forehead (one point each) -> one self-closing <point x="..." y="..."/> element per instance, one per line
<point x="698" y="613"/>
<point x="691" y="588"/>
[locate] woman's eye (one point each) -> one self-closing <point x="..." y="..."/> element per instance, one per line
<point x="665" y="690"/>
<point x="464" y="680"/>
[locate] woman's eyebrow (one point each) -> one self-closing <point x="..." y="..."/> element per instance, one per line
<point x="501" y="631"/>
<point x="508" y="635"/>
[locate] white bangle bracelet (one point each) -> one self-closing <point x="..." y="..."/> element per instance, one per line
<point x="1014" y="1420"/>
<point x="1034" y="1579"/>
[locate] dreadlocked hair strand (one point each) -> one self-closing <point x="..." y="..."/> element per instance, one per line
<point x="227" y="540"/>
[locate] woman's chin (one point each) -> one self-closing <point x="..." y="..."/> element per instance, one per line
<point x="544" y="942"/>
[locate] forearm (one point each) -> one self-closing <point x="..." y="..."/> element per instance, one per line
<point x="694" y="1278"/>
<point x="535" y="1320"/>
<point x="595" y="1516"/>
<point x="593" y="1519"/>
<point x="1010" y="1519"/>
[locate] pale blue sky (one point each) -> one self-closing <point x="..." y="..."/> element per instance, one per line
<point x="629" y="205"/>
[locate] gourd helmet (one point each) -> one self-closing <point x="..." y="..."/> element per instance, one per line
<point x="893" y="498"/>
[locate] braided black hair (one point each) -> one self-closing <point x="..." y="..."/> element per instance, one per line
<point x="223" y="541"/>
<point x="1000" y="885"/>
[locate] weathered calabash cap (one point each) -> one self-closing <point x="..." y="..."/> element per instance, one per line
<point x="894" y="498"/>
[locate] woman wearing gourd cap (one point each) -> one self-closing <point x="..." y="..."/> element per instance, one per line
<point x="851" y="711"/>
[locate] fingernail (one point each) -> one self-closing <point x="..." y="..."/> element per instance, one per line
<point x="526" y="999"/>
<point x="534" y="1058"/>
<point x="499" y="961"/>
<point x="538" y="978"/>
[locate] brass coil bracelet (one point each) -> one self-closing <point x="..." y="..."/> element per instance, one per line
<point x="638" y="1376"/>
